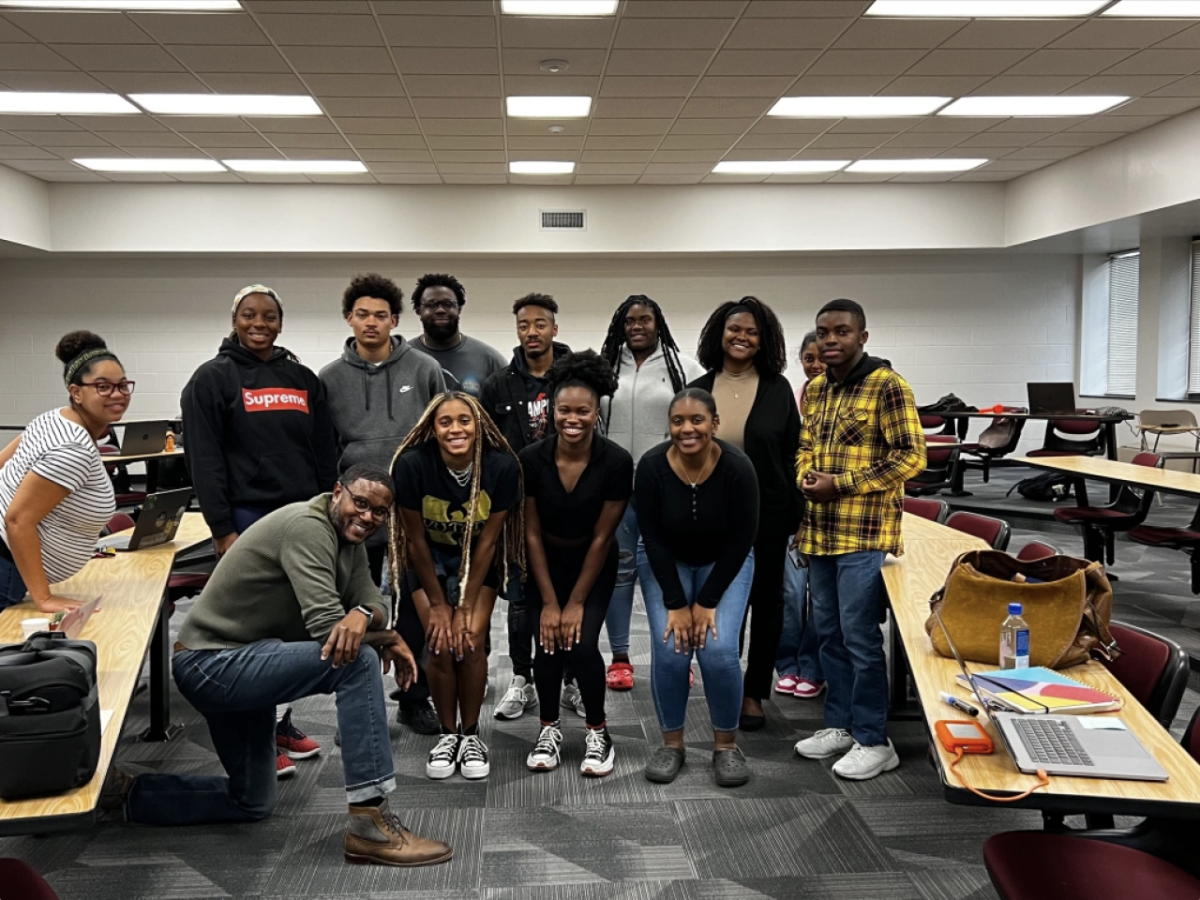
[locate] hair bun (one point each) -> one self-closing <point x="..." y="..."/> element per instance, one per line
<point x="76" y="342"/>
<point x="585" y="367"/>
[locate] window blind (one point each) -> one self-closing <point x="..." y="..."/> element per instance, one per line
<point x="1193" y="383"/>
<point x="1123" y="323"/>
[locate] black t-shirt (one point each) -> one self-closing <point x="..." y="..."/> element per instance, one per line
<point x="607" y="476"/>
<point x="425" y="484"/>
<point x="537" y="405"/>
<point x="714" y="522"/>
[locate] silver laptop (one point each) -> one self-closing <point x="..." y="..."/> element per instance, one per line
<point x="157" y="522"/>
<point x="1099" y="746"/>
<point x="144" y="437"/>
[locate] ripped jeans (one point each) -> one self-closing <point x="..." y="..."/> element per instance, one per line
<point x="620" y="608"/>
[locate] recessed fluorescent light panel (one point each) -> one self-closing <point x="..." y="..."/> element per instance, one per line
<point x="855" y="107"/>
<point x="168" y="166"/>
<point x="227" y="104"/>
<point x="51" y="103"/>
<point x="984" y="9"/>
<point x="1156" y="9"/>
<point x="128" y="5"/>
<point x="780" y="167"/>
<point x="541" y="167"/>
<point x="558" y="7"/>
<point x="896" y="166"/>
<point x="1004" y="107"/>
<point x="548" y="107"/>
<point x="297" y="166"/>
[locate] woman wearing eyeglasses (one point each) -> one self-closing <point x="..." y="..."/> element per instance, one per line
<point x="55" y="496"/>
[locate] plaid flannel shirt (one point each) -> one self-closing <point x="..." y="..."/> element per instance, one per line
<point x="868" y="435"/>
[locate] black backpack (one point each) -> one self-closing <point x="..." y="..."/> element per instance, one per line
<point x="49" y="716"/>
<point x="1047" y="486"/>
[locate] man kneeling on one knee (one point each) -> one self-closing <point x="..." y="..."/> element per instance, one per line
<point x="291" y="611"/>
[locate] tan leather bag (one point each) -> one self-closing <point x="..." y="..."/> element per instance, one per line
<point x="1067" y="603"/>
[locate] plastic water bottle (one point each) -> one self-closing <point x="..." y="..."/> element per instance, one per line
<point x="1014" y="640"/>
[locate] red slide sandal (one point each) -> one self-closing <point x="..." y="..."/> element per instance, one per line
<point x="620" y="676"/>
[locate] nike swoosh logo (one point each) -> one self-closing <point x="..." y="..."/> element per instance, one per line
<point x="405" y="388"/>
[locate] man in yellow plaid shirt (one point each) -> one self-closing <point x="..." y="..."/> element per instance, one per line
<point x="860" y="440"/>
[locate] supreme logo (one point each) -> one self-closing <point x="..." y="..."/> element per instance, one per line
<point x="270" y="399"/>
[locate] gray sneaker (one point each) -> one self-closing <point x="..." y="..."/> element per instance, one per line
<point x="825" y="743"/>
<point x="571" y="698"/>
<point x="519" y="697"/>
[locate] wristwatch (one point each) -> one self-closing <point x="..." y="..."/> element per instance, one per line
<point x="366" y="611"/>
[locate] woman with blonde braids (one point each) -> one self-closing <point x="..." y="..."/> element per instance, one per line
<point x="454" y="539"/>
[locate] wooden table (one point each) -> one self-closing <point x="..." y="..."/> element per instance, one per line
<point x="911" y="580"/>
<point x="127" y="623"/>
<point x="1165" y="481"/>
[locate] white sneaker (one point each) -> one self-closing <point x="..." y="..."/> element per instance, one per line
<point x="862" y="762"/>
<point x="443" y="758"/>
<point x="547" y="751"/>
<point x="825" y="743"/>
<point x="473" y="757"/>
<point x="519" y="697"/>
<point x="571" y="698"/>
<point x="599" y="754"/>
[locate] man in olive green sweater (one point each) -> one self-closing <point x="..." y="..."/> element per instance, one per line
<point x="291" y="611"/>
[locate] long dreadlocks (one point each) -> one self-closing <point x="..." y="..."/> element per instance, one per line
<point x="614" y="340"/>
<point x="512" y="539"/>
<point x="771" y="358"/>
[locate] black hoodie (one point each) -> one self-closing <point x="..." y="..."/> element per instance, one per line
<point x="506" y="396"/>
<point x="258" y="433"/>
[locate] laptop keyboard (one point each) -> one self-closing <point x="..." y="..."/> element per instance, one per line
<point x="1051" y="742"/>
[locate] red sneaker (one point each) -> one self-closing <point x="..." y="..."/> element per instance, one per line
<point x="620" y="676"/>
<point x="807" y="689"/>
<point x="284" y="766"/>
<point x="292" y="741"/>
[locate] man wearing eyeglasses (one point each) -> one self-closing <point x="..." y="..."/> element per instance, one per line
<point x="289" y="612"/>
<point x="466" y="362"/>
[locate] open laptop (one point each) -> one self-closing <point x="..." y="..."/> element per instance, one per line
<point x="157" y="523"/>
<point x="144" y="437"/>
<point x="1100" y="746"/>
<point x="1051" y="397"/>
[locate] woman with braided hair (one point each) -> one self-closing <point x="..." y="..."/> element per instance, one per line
<point x="456" y="531"/>
<point x="651" y="371"/>
<point x="577" y="486"/>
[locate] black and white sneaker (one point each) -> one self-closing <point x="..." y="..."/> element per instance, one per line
<point x="599" y="754"/>
<point x="547" y="751"/>
<point x="443" y="758"/>
<point x="473" y="757"/>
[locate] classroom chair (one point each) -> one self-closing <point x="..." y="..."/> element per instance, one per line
<point x="119" y="522"/>
<point x="997" y="440"/>
<point x="1185" y="539"/>
<point x="1071" y="437"/>
<point x="933" y="424"/>
<point x="1099" y="524"/>
<point x="1166" y="421"/>
<point x="120" y="478"/>
<point x="933" y="510"/>
<point x="20" y="881"/>
<point x="941" y="463"/>
<point x="1154" y="669"/>
<point x="1036" y="550"/>
<point x="994" y="531"/>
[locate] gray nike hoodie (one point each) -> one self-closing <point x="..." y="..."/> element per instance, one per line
<point x="375" y="406"/>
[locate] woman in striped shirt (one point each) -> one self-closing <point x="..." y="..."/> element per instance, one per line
<point x="55" y="496"/>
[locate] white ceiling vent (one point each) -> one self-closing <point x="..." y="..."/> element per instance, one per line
<point x="564" y="219"/>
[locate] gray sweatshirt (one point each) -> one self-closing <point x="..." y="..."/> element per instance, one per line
<point x="636" y="416"/>
<point x="374" y="407"/>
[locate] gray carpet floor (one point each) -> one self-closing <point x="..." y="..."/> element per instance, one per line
<point x="795" y="832"/>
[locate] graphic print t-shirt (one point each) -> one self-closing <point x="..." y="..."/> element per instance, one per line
<point x="537" y="405"/>
<point x="424" y="483"/>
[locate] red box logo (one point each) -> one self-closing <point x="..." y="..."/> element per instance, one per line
<point x="274" y="399"/>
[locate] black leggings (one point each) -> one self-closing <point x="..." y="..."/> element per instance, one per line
<point x="584" y="658"/>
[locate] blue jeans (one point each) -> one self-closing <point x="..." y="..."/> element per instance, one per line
<point x="797" y="653"/>
<point x="12" y="588"/>
<point x="620" y="608"/>
<point x="719" y="661"/>
<point x="236" y="691"/>
<point x="847" y="592"/>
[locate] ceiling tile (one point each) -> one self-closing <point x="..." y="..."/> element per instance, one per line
<point x="222" y="141"/>
<point x="712" y="126"/>
<point x="363" y="125"/>
<point x="526" y="60"/>
<point x="269" y="178"/>
<point x="1188" y="39"/>
<point x="987" y="175"/>
<point x="396" y="167"/>
<point x="698" y="142"/>
<point x="453" y="85"/>
<point x="835" y="85"/>
<point x="24" y="151"/>
<point x="739" y="153"/>
<point x="808" y="9"/>
<point x="446" y="60"/>
<point x="319" y="153"/>
<point x="1005" y="139"/>
<point x="731" y="86"/>
<point x="550" y="143"/>
<point x="890" y="34"/>
<point x="42" y="165"/>
<point x="566" y="34"/>
<point x="143" y="138"/>
<point x="1159" y="106"/>
<point x="671" y="179"/>
<point x="292" y="124"/>
<point x="875" y="126"/>
<point x="10" y="139"/>
<point x="1117" y="123"/>
<point x="322" y="30"/>
<point x="723" y="107"/>
<point x="789" y="142"/>
<point x="678" y="168"/>
<point x="434" y="7"/>
<point x="227" y="29"/>
<point x="1183" y="87"/>
<point x="991" y="34"/>
<point x="792" y="126"/>
<point x="1068" y="62"/>
<point x="476" y="156"/>
<point x="439" y="31"/>
<point x="79" y="27"/>
<point x="10" y="33"/>
<point x="380" y="107"/>
<point x="762" y="62"/>
<point x="323" y="141"/>
<point x="611" y="168"/>
<point x="252" y="83"/>
<point x="616" y="156"/>
<point x="871" y="62"/>
<point x="648" y="108"/>
<point x="200" y="124"/>
<point x="604" y="179"/>
<point x="629" y="126"/>
<point x="456" y="107"/>
<point x="186" y="151"/>
<point x="150" y="82"/>
<point x="953" y="123"/>
<point x="1129" y="85"/>
<point x="357" y="178"/>
<point x="76" y="176"/>
<point x="707" y="158"/>
<point x="466" y="126"/>
<point x="671" y="34"/>
<point x="1048" y="124"/>
<point x="596" y="142"/>
<point x="451" y="178"/>
<point x="204" y="58"/>
<point x="1044" y="153"/>
<point x="967" y="62"/>
<point x="550" y="85"/>
<point x="473" y="168"/>
<point x="61" y="138"/>
<point x="693" y="9"/>
<point x="784" y="34"/>
<point x="411" y="155"/>
<point x="460" y="142"/>
<point x="933" y="85"/>
<point x="1131" y="33"/>
<point x="409" y="179"/>
<point x="1158" y="62"/>
<point x="115" y="57"/>
<point x="51" y="81"/>
<point x="32" y="57"/>
<point x="926" y="139"/>
<point x="647" y="86"/>
<point x="340" y="60"/>
<point x="1026" y="85"/>
<point x="1078" y="139"/>
<point x="851" y="140"/>
<point x="355" y="85"/>
<point x="655" y="62"/>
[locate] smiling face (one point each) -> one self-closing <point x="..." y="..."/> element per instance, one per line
<point x="372" y="322"/>
<point x="439" y="312"/>
<point x="86" y="397"/>
<point x="355" y="525"/>
<point x="576" y="411"/>
<point x="841" y="339"/>
<point x="740" y="340"/>
<point x="641" y="328"/>
<point x="536" y="330"/>
<point x="692" y="426"/>
<point x="454" y="426"/>
<point x="258" y="322"/>
<point x="810" y="360"/>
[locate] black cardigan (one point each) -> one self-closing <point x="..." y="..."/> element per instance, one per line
<point x="771" y="440"/>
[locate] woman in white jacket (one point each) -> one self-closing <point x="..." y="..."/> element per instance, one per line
<point x="651" y="371"/>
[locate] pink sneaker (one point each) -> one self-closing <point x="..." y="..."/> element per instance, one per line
<point x="807" y="689"/>
<point x="787" y="684"/>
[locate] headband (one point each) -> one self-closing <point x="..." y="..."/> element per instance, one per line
<point x="255" y="289"/>
<point x="83" y="359"/>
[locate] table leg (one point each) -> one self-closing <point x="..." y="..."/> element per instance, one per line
<point x="1110" y="438"/>
<point x="160" y="728"/>
<point x="898" y="670"/>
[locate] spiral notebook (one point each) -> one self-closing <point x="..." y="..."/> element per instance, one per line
<point x="1040" y="690"/>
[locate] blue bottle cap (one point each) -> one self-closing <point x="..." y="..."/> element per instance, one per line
<point x="1015" y="609"/>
